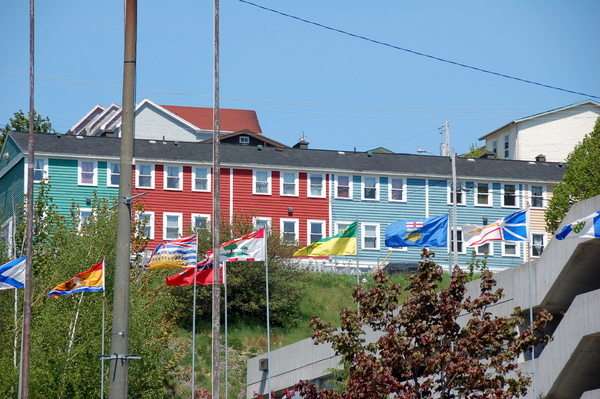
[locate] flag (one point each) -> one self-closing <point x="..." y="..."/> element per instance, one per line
<point x="587" y="227"/>
<point x="513" y="227"/>
<point x="250" y="247"/>
<point x="12" y="274"/>
<point x="343" y="243"/>
<point x="204" y="275"/>
<point x="429" y="232"/>
<point x="91" y="280"/>
<point x="181" y="252"/>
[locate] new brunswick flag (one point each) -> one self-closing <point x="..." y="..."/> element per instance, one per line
<point x="343" y="243"/>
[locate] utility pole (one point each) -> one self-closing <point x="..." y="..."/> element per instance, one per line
<point x="119" y="360"/>
<point x="26" y="332"/>
<point x="446" y="145"/>
<point x="216" y="223"/>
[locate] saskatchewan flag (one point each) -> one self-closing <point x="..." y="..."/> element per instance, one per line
<point x="343" y="243"/>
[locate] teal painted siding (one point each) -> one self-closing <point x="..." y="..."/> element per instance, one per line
<point x="12" y="191"/>
<point x="11" y="148"/>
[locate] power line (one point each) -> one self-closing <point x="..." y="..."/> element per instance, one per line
<point x="416" y="52"/>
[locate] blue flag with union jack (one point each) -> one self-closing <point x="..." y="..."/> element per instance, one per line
<point x="181" y="252"/>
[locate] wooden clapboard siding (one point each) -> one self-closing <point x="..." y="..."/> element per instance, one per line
<point x="12" y="191"/>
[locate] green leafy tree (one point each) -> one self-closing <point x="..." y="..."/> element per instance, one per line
<point x="423" y="352"/>
<point x="474" y="152"/>
<point x="580" y="180"/>
<point x="20" y="123"/>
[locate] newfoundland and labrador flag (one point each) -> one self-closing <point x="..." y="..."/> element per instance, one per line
<point x="514" y="227"/>
<point x="181" y="252"/>
<point x="91" y="280"/>
<point x="587" y="227"/>
<point x="12" y="274"/>
<point x="429" y="232"/>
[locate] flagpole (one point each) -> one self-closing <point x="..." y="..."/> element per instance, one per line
<point x="527" y="247"/>
<point x="226" y="333"/>
<point x="268" y="316"/>
<point x="455" y="216"/>
<point x="357" y="256"/>
<point x="194" y="321"/>
<point x="103" y="328"/>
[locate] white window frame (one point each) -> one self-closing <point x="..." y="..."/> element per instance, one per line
<point x="166" y="177"/>
<point x="363" y="188"/>
<point x="363" y="236"/>
<point x="517" y="245"/>
<point x="463" y="251"/>
<point x="544" y="243"/>
<point x="259" y="222"/>
<point x="196" y="216"/>
<point x="244" y="140"/>
<point x="543" y="196"/>
<point x="137" y="175"/>
<point x="350" y="186"/>
<point x="341" y="225"/>
<point x="461" y="191"/>
<point x="195" y="177"/>
<point x="179" y="225"/>
<point x="282" y="222"/>
<point x="490" y="199"/>
<point x="282" y="183"/>
<point x="506" y="146"/>
<point x="81" y="218"/>
<point x="402" y="190"/>
<point x="309" y="185"/>
<point x="80" y="171"/>
<point x="150" y="225"/>
<point x="503" y="195"/>
<point x="479" y="250"/>
<point x="310" y="223"/>
<point x="255" y="181"/>
<point x="109" y="173"/>
<point x="44" y="169"/>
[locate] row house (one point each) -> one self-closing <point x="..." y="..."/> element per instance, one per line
<point x="303" y="194"/>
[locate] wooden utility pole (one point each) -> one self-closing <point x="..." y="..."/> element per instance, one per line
<point x="119" y="360"/>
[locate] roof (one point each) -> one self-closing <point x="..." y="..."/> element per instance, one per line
<point x="539" y="115"/>
<point x="158" y="151"/>
<point x="249" y="133"/>
<point x="232" y="120"/>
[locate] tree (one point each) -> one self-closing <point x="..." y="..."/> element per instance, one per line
<point x="580" y="180"/>
<point x="474" y="152"/>
<point x="423" y="352"/>
<point x="20" y="123"/>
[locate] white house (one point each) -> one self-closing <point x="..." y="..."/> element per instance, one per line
<point x="553" y="134"/>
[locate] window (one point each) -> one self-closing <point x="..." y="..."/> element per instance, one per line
<point x="487" y="247"/>
<point x="339" y="226"/>
<point x="460" y="194"/>
<point x="316" y="185"/>
<point x="459" y="242"/>
<point x="261" y="182"/>
<point x="495" y="146"/>
<point x="289" y="231"/>
<point x="87" y="173"/>
<point x="146" y="220"/>
<point x="506" y="146"/>
<point x="396" y="189"/>
<point x="509" y="196"/>
<point x="145" y="175"/>
<point x="289" y="183"/>
<point x="40" y="169"/>
<point x="261" y="223"/>
<point x="172" y="226"/>
<point x="316" y="230"/>
<point x="200" y="221"/>
<point x="113" y="170"/>
<point x="173" y="177"/>
<point x="201" y="179"/>
<point x="538" y="195"/>
<point x="370" y="236"/>
<point x="84" y="217"/>
<point x="483" y="194"/>
<point x="510" y="248"/>
<point x="538" y="242"/>
<point x="343" y="187"/>
<point x="370" y="188"/>
<point x="244" y="140"/>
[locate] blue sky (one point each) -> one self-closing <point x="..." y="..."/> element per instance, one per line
<point x="341" y="91"/>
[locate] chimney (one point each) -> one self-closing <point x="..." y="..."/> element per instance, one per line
<point x="540" y="158"/>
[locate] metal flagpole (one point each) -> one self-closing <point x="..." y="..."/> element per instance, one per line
<point x="357" y="257"/>
<point x="226" y="333"/>
<point x="455" y="216"/>
<point x="528" y="248"/>
<point x="103" y="328"/>
<point x="194" y="323"/>
<point x="268" y="316"/>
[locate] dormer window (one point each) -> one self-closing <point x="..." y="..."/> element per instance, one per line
<point x="244" y="140"/>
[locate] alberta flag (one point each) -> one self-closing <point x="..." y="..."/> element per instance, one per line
<point x="429" y="232"/>
<point x="514" y="227"/>
<point x="587" y="227"/>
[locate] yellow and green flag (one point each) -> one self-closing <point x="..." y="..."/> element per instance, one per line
<point x="343" y="243"/>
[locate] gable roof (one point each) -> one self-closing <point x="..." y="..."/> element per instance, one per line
<point x="246" y="132"/>
<point x="158" y="151"/>
<point x="552" y="111"/>
<point x="232" y="120"/>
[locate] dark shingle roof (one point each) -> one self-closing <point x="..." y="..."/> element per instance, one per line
<point x="301" y="159"/>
